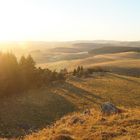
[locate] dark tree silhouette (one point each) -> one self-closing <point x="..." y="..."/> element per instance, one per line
<point x="20" y="76"/>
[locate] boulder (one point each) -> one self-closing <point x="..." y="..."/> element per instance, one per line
<point x="109" y="108"/>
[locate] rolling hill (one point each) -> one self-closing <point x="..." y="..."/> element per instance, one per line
<point x="34" y="110"/>
<point x="93" y="126"/>
<point x="116" y="49"/>
<point x="126" y="63"/>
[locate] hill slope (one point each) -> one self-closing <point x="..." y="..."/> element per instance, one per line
<point x="116" y="49"/>
<point x="126" y="63"/>
<point x="92" y="126"/>
<point x="37" y="108"/>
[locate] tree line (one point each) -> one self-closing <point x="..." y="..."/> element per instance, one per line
<point x="85" y="72"/>
<point x="18" y="76"/>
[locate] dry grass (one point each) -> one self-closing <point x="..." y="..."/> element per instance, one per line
<point x="101" y="87"/>
<point x="126" y="59"/>
<point x="124" y="126"/>
<point x="37" y="108"/>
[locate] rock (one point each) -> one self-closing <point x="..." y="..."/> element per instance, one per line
<point x="76" y="120"/>
<point x="109" y="108"/>
<point x="62" y="137"/>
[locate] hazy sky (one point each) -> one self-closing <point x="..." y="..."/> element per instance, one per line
<point x="58" y="20"/>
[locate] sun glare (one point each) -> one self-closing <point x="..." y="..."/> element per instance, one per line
<point x="50" y="20"/>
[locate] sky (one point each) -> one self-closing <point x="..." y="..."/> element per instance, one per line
<point x="66" y="20"/>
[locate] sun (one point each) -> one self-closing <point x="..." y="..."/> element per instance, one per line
<point x="22" y="44"/>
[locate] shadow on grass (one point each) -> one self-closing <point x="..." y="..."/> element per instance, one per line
<point x="79" y="93"/>
<point x="21" y="115"/>
<point x="127" y="79"/>
<point x="134" y="72"/>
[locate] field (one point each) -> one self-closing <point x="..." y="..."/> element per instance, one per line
<point x="124" y="126"/>
<point x="69" y="70"/>
<point x="31" y="111"/>
<point x="127" y="63"/>
<point x="36" y="109"/>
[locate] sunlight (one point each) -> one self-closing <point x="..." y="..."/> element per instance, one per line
<point x="51" y="21"/>
<point x="69" y="69"/>
<point x="22" y="45"/>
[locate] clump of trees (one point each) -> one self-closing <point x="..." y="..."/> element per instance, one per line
<point x="85" y="72"/>
<point x="79" y="71"/>
<point x="17" y="76"/>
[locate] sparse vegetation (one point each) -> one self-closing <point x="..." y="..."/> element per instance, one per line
<point x="123" y="126"/>
<point x="33" y="97"/>
<point x="56" y="83"/>
<point x="35" y="109"/>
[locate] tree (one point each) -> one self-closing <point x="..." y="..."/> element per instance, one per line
<point x="81" y="68"/>
<point x="9" y="74"/>
<point x="19" y="76"/>
<point x="22" y="61"/>
<point x="74" y="72"/>
<point x="78" y="69"/>
<point x="30" y="63"/>
<point x="27" y="71"/>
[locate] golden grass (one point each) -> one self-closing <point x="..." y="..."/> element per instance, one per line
<point x="102" y="87"/>
<point x="126" y="59"/>
<point x="37" y="108"/>
<point x="95" y="126"/>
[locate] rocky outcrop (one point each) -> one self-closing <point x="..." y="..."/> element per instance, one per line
<point x="109" y="108"/>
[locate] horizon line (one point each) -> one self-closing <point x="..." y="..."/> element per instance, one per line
<point x="51" y="41"/>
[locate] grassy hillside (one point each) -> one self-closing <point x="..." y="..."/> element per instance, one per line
<point x="93" y="126"/>
<point x="126" y="63"/>
<point x="37" y="108"/>
<point x="31" y="110"/>
<point x="116" y="49"/>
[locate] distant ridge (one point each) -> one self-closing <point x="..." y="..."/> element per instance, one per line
<point x="116" y="49"/>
